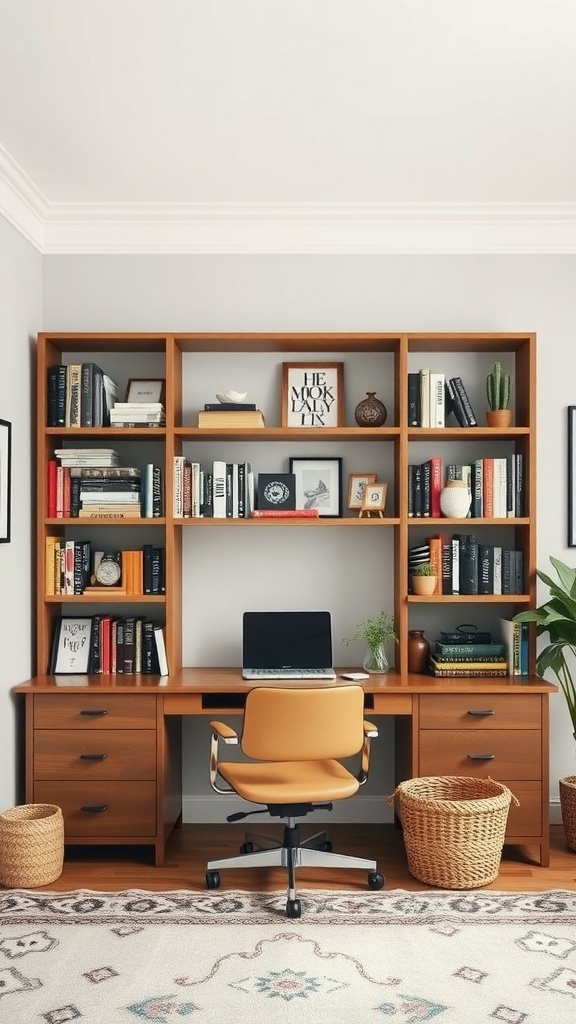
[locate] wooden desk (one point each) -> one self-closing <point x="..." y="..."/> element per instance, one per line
<point x="107" y="748"/>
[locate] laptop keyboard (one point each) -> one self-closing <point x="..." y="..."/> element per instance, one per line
<point x="289" y="673"/>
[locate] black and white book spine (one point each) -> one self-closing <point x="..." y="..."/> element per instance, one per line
<point x="207" y="507"/>
<point x="241" y="490"/>
<point x="157" y="494"/>
<point x="506" y="567"/>
<point x="520" y="495"/>
<point x="178" y="495"/>
<point x="195" y="495"/>
<point x="468" y="564"/>
<point x="148" y="648"/>
<point x="425" y="397"/>
<point x="229" y="485"/>
<point x="437" y="404"/>
<point x="417" y="491"/>
<point x="73" y="395"/>
<point x="459" y="388"/>
<point x="510" y="486"/>
<point x="453" y="404"/>
<point x="455" y="565"/>
<point x="500" y="489"/>
<point x="413" y="399"/>
<point x="485" y="569"/>
<point x="148" y="489"/>
<point x="426" y="488"/>
<point x="219" y="489"/>
<point x="129" y="644"/>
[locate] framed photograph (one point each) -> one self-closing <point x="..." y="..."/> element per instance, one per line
<point x="146" y="389"/>
<point x="374" y="499"/>
<point x="312" y="394"/>
<point x="357" y="483"/>
<point x="572" y="476"/>
<point x="318" y="484"/>
<point x="72" y="645"/>
<point x="5" y="479"/>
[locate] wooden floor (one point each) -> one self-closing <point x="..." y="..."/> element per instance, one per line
<point x="112" y="869"/>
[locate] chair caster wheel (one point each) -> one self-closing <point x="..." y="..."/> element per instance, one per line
<point x="212" y="879"/>
<point x="375" y="880"/>
<point x="247" y="848"/>
<point x="293" y="908"/>
<point x="327" y="846"/>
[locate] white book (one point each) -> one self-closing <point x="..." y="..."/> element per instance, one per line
<point x="425" y="397"/>
<point x="195" y="490"/>
<point x="219" y="489"/>
<point x="499" y="489"/>
<point x="497" y="580"/>
<point x="139" y="406"/>
<point x="112" y="497"/>
<point x="161" y="650"/>
<point x="178" y="484"/>
<point x="148" y="488"/>
<point x="437" y="405"/>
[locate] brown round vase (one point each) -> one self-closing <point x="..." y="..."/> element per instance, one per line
<point x="370" y="412"/>
<point x="418" y="651"/>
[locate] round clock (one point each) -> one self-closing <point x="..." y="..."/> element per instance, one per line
<point x="108" y="572"/>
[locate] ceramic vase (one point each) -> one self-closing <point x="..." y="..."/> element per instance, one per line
<point x="370" y="412"/>
<point x="455" y="499"/>
<point x="376" y="661"/>
<point x="418" y="649"/>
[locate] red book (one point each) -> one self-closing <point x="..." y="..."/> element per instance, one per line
<point x="52" y="468"/>
<point x="289" y="513"/>
<point x="436" y="485"/>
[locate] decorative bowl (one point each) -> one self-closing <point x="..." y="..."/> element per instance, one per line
<point x="231" y="396"/>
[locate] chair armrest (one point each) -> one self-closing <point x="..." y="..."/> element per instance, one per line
<point x="223" y="732"/>
<point x="370" y="732"/>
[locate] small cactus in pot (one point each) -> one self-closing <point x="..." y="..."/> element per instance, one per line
<point x="498" y="395"/>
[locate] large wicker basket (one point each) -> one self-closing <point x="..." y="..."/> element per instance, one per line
<point x="31" y="845"/>
<point x="568" y="805"/>
<point x="454" y="829"/>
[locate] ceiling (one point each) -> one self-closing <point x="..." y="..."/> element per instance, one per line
<point x="289" y="125"/>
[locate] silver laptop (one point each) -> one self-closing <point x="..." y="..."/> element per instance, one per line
<point x="287" y="645"/>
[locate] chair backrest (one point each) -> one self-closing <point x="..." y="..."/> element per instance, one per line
<point x="303" y="723"/>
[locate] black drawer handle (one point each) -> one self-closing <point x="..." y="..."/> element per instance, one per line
<point x="97" y="809"/>
<point x="480" y="714"/>
<point x="93" y="757"/>
<point x="481" y="757"/>
<point x="94" y="712"/>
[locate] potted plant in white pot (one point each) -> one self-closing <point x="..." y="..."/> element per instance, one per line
<point x="376" y="633"/>
<point x="557" y="618"/>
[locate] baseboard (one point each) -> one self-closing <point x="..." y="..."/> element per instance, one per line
<point x="555" y="812"/>
<point x="368" y="810"/>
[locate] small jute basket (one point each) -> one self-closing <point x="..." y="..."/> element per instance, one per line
<point x="568" y="805"/>
<point x="31" y="845"/>
<point x="454" y="829"/>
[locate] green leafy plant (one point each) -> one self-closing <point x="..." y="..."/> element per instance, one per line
<point x="424" y="569"/>
<point x="375" y="631"/>
<point x="498" y="388"/>
<point x="557" y="618"/>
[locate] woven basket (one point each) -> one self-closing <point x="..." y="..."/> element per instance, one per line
<point x="31" y="845"/>
<point x="454" y="829"/>
<point x="568" y="805"/>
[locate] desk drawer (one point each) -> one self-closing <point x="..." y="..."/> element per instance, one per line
<point x="100" y="710"/>
<point x="105" y="754"/>
<point x="517" y="755"/>
<point x="125" y="808"/>
<point x="480" y="711"/>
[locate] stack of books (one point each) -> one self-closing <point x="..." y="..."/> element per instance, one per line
<point x="138" y="414"/>
<point x="468" y="660"/>
<point x="227" y="415"/>
<point x="79" y="395"/>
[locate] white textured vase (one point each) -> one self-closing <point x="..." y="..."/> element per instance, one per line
<point x="455" y="499"/>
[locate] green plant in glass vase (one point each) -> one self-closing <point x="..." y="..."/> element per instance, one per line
<point x="376" y="632"/>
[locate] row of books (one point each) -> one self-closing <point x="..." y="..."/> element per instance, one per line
<point x="507" y="656"/>
<point x="125" y="645"/>
<point x="496" y="486"/>
<point x="71" y="567"/>
<point x="465" y="566"/>
<point x="432" y="397"/>
<point x="90" y="492"/>
<point x="79" y="395"/>
<point x="138" y="414"/>
<point x="225" y="490"/>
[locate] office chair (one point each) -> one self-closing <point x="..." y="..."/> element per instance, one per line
<point x="296" y="737"/>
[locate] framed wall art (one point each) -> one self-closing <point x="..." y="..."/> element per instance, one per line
<point x="374" y="499"/>
<point x="318" y="484"/>
<point x="312" y="394"/>
<point x="357" y="483"/>
<point x="5" y="479"/>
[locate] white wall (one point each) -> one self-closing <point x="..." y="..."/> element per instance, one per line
<point x="20" y="320"/>
<point x="386" y="293"/>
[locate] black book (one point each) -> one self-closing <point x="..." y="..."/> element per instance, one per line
<point x="413" y="399"/>
<point x="426" y="474"/>
<point x="129" y="649"/>
<point x="454" y="405"/>
<point x="460" y="390"/>
<point x="207" y="508"/>
<point x="90" y="375"/>
<point x="57" y="378"/>
<point x="109" y="484"/>
<point x="148" y="648"/>
<point x="417" y="495"/>
<point x="468" y="563"/>
<point x="157" y="502"/>
<point x="228" y="406"/>
<point x="485" y="569"/>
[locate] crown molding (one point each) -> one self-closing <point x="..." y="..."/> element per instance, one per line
<point x="283" y="228"/>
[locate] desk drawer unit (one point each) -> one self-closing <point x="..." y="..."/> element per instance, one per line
<point x="497" y="735"/>
<point x="105" y="759"/>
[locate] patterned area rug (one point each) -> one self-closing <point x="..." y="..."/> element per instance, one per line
<point x="235" y="958"/>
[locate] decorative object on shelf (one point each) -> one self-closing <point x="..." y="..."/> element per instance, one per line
<point x="418" y="651"/>
<point x="455" y="499"/>
<point x="374" y="500"/>
<point x="370" y="412"/>
<point x="568" y="806"/>
<point x="424" y="582"/>
<point x="376" y="633"/>
<point x="498" y="395"/>
<point x="277" y="491"/>
<point x="146" y="389"/>
<point x="357" y="483"/>
<point x="312" y="394"/>
<point x="5" y="479"/>
<point x="233" y="397"/>
<point x="318" y="484"/>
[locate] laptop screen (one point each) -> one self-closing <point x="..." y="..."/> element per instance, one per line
<point x="284" y="640"/>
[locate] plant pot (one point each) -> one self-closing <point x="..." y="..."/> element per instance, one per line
<point x="424" y="586"/>
<point x="568" y="805"/>
<point x="499" y="417"/>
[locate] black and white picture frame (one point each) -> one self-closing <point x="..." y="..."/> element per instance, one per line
<point x="146" y="389"/>
<point x="318" y="484"/>
<point x="5" y="479"/>
<point x="72" y="645"/>
<point x="572" y="476"/>
<point x="312" y="394"/>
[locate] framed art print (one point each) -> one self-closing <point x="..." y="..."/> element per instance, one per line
<point x="312" y="394"/>
<point x="318" y="484"/>
<point x="72" y="645"/>
<point x="146" y="389"/>
<point x="5" y="479"/>
<point x="357" y="483"/>
<point x="374" y="499"/>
